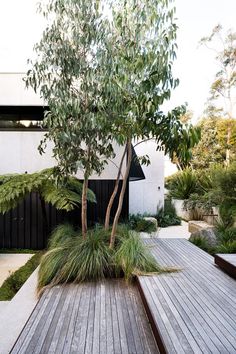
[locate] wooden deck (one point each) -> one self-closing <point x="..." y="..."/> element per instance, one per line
<point x="106" y="317"/>
<point x="194" y="310"/>
<point x="227" y="262"/>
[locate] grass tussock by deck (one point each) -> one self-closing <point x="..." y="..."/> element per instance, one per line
<point x="70" y="258"/>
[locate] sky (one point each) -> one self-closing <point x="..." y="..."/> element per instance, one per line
<point x="21" y="27"/>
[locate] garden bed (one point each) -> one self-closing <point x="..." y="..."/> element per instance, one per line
<point x="15" y="281"/>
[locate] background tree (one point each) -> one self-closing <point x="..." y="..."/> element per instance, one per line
<point x="212" y="147"/>
<point x="223" y="88"/>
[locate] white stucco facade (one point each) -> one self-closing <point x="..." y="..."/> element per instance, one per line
<point x="146" y="195"/>
<point x="19" y="151"/>
<point x="14" y="93"/>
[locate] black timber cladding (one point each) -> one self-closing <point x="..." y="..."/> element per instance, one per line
<point x="24" y="226"/>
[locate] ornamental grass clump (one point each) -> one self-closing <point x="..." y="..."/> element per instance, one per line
<point x="133" y="257"/>
<point x="74" y="259"/>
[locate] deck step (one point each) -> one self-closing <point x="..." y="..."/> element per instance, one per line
<point x="227" y="262"/>
<point x="192" y="310"/>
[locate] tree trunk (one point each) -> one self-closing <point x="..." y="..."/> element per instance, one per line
<point x="112" y="198"/>
<point x="122" y="193"/>
<point x="227" y="159"/>
<point x="84" y="206"/>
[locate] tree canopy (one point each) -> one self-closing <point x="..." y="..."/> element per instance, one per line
<point x="223" y="88"/>
<point x="105" y="68"/>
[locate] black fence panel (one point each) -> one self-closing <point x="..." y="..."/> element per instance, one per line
<point x="25" y="226"/>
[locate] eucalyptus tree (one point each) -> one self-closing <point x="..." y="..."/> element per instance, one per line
<point x="71" y="72"/>
<point x="144" y="37"/>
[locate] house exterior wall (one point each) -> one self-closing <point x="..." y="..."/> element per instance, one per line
<point x="146" y="195"/>
<point x="19" y="153"/>
<point x="14" y="93"/>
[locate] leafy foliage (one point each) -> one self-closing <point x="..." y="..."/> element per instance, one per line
<point x="203" y="244"/>
<point x="139" y="224"/>
<point x="224" y="85"/>
<point x="227" y="247"/>
<point x="105" y="69"/>
<point x="182" y="184"/>
<point x="64" y="196"/>
<point x="211" y="149"/>
<point x="167" y="216"/>
<point x="16" y="187"/>
<point x="15" y="281"/>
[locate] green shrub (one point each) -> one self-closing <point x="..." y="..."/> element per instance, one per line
<point x="203" y="244"/>
<point x="182" y="184"/>
<point x="139" y="224"/>
<point x="61" y="234"/>
<point x="225" y="234"/>
<point x="90" y="259"/>
<point x="227" y="247"/>
<point x="167" y="216"/>
<point x="15" y="281"/>
<point x="228" y="212"/>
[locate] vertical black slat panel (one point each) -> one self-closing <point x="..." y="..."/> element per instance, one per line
<point x="8" y="222"/>
<point x="48" y="230"/>
<point x="53" y="217"/>
<point x="100" y="210"/>
<point x="49" y="217"/>
<point x="115" y="203"/>
<point x="15" y="227"/>
<point x="29" y="230"/>
<point x="28" y="221"/>
<point x="40" y="222"/>
<point x="104" y="198"/>
<point x="125" y="209"/>
<point x="92" y="207"/>
<point x="21" y="225"/>
<point x="2" y="231"/>
<point x="34" y="226"/>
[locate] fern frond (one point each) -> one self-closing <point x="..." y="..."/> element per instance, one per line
<point x="76" y="186"/>
<point x="67" y="196"/>
<point x="60" y="197"/>
<point x="16" y="187"/>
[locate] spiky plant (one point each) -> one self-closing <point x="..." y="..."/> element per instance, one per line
<point x="73" y="259"/>
<point x="227" y="247"/>
<point x="134" y="257"/>
<point x="183" y="184"/>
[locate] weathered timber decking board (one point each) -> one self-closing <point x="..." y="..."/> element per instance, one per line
<point x="94" y="318"/>
<point x="193" y="310"/>
<point x="227" y="262"/>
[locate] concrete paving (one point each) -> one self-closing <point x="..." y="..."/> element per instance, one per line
<point x="180" y="231"/>
<point x="10" y="262"/>
<point x="17" y="312"/>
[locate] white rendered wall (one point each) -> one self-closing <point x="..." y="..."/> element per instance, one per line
<point x="14" y="93"/>
<point x="147" y="194"/>
<point x="19" y="153"/>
